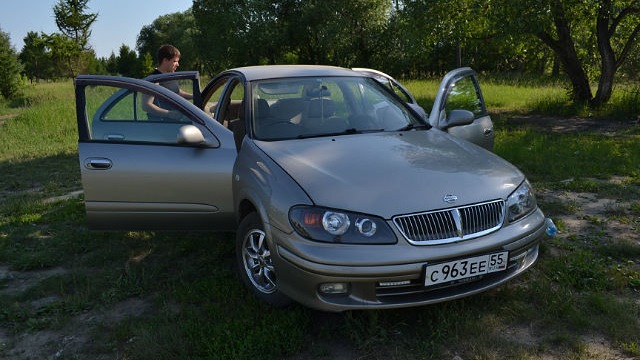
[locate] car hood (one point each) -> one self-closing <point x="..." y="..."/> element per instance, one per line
<point x="393" y="173"/>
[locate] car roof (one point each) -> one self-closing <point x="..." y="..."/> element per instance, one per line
<point x="262" y="72"/>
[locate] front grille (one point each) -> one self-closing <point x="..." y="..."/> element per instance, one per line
<point x="449" y="225"/>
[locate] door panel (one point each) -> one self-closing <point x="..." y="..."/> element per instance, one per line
<point x="135" y="174"/>
<point x="479" y="132"/>
<point x="160" y="187"/>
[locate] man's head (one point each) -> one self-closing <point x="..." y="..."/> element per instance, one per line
<point x="168" y="58"/>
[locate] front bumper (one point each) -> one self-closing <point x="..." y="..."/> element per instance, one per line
<point x="395" y="284"/>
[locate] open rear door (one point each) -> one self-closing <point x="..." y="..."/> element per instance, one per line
<point x="189" y="81"/>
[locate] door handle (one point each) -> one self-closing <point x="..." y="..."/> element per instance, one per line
<point x="98" y="163"/>
<point x="115" y="137"/>
<point x="488" y="131"/>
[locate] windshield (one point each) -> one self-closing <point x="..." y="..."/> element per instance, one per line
<point x="308" y="107"/>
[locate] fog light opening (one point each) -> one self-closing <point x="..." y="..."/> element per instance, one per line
<point x="334" y="288"/>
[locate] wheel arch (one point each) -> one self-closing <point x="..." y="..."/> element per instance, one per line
<point x="245" y="208"/>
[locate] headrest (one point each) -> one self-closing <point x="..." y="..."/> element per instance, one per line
<point x="321" y="108"/>
<point x="261" y="108"/>
<point x="315" y="92"/>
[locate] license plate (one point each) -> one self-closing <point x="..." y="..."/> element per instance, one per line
<point x="465" y="268"/>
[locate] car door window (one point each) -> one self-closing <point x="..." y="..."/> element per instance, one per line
<point x="184" y="86"/>
<point x="464" y="95"/>
<point x="185" y="83"/>
<point x="143" y="173"/>
<point x="116" y="114"/>
<point x="401" y="93"/>
<point x="233" y="103"/>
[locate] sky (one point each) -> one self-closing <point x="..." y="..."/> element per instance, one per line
<point x="119" y="21"/>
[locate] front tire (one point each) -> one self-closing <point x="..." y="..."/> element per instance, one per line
<point x="255" y="262"/>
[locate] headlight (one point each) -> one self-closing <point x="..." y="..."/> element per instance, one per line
<point x="521" y="202"/>
<point x="338" y="226"/>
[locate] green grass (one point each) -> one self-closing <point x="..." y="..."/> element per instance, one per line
<point x="544" y="156"/>
<point x="524" y="96"/>
<point x="191" y="304"/>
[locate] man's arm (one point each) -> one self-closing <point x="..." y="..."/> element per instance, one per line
<point x="154" y="110"/>
<point x="185" y="94"/>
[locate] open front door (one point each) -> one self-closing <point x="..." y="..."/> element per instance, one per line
<point x="146" y="172"/>
<point x="459" y="90"/>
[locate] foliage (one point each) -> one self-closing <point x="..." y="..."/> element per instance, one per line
<point x="38" y="62"/>
<point x="234" y="22"/>
<point x="591" y="40"/>
<point x="10" y="81"/>
<point x="314" y="32"/>
<point x="63" y="54"/>
<point x="147" y="63"/>
<point x="73" y="22"/>
<point x="127" y="63"/>
<point x="71" y="46"/>
<point x="579" y="42"/>
<point x="337" y="32"/>
<point x="178" y="29"/>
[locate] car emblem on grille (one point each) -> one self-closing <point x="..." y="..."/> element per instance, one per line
<point x="450" y="199"/>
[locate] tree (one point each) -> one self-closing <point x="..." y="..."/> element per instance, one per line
<point x="34" y="56"/>
<point x="146" y="62"/>
<point x="338" y="32"/>
<point x="254" y="32"/>
<point x="112" y="64"/>
<point x="10" y="75"/>
<point x="581" y="35"/>
<point x="128" y="62"/>
<point x="229" y="21"/>
<point x="177" y="29"/>
<point x="75" y="24"/>
<point x="63" y="52"/>
<point x="72" y="21"/>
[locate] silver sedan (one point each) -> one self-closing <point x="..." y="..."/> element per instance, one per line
<point x="342" y="195"/>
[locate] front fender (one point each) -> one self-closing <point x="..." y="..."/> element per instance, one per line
<point x="260" y="181"/>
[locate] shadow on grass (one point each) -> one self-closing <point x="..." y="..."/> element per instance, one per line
<point x="53" y="175"/>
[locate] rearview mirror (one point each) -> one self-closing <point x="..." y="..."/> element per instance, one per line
<point x="459" y="118"/>
<point x="190" y="135"/>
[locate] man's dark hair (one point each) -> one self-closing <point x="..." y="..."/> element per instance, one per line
<point x="167" y="52"/>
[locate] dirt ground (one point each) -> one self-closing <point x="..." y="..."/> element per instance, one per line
<point x="74" y="340"/>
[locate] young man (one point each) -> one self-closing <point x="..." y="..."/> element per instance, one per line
<point x="168" y="61"/>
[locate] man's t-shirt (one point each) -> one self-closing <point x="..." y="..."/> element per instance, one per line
<point x="171" y="85"/>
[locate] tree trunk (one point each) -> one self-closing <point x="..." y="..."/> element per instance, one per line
<point x="607" y="56"/>
<point x="565" y="49"/>
<point x="606" y="27"/>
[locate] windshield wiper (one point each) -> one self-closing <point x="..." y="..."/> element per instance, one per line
<point x="414" y="127"/>
<point x="348" y="131"/>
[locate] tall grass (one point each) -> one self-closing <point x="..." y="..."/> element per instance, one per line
<point x="45" y="124"/>
<point x="38" y="140"/>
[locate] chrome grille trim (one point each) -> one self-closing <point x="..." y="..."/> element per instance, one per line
<point x="453" y="224"/>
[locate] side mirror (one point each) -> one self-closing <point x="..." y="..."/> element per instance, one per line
<point x="190" y="135"/>
<point x="459" y="118"/>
